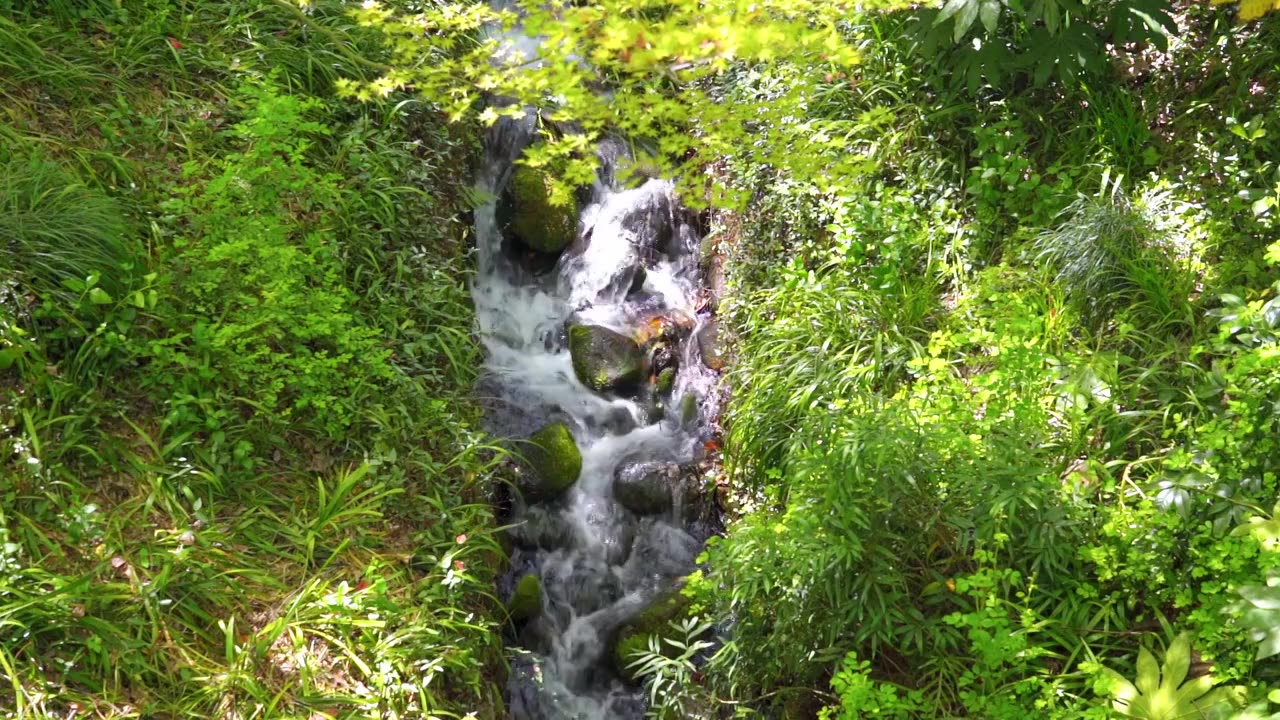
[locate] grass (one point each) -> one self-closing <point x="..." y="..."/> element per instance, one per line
<point x="55" y="232"/>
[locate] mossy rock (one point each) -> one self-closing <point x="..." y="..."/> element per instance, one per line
<point x="554" y="456"/>
<point x="711" y="345"/>
<point x="653" y="621"/>
<point x="666" y="380"/>
<point x="688" y="409"/>
<point x="604" y="359"/>
<point x="538" y="223"/>
<point x="526" y="599"/>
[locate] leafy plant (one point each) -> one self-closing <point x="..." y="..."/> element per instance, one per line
<point x="668" y="668"/>
<point x="1164" y="692"/>
<point x="1039" y="40"/>
<point x="1108" y="256"/>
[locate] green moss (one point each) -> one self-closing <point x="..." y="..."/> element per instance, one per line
<point x="688" y="408"/>
<point x="554" y="456"/>
<point x="526" y="599"/>
<point x="666" y="380"/>
<point x="539" y="224"/>
<point x="605" y="360"/>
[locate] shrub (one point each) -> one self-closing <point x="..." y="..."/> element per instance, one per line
<point x="1108" y="255"/>
<point x="264" y="314"/>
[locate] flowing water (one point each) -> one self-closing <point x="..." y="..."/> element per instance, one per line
<point x="599" y="562"/>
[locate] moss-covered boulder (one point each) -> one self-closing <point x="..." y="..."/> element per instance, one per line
<point x="653" y="622"/>
<point x="533" y="219"/>
<point x="665" y="381"/>
<point x="603" y="359"/>
<point x="526" y="600"/>
<point x="710" y="344"/>
<point x="688" y="409"/>
<point x="555" y="460"/>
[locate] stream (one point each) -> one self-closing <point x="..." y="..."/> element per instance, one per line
<point x="633" y="268"/>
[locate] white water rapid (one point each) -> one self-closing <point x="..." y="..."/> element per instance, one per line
<point x="599" y="563"/>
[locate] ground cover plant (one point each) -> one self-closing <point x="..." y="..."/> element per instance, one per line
<point x="240" y="474"/>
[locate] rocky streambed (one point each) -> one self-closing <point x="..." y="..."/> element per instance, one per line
<point x="601" y="372"/>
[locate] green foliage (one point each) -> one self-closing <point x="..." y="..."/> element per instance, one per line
<point x="265" y="318"/>
<point x="658" y="61"/>
<point x="1107" y="255"/>
<point x="238" y="471"/>
<point x="1163" y="692"/>
<point x="1061" y="39"/>
<point x="55" y="233"/>
<point x="667" y="666"/>
<point x="981" y="438"/>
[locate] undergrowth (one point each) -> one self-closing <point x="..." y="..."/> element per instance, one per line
<point x="1002" y="417"/>
<point x="239" y="473"/>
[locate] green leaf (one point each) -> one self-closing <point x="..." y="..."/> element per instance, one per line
<point x="98" y="296"/>
<point x="948" y="10"/>
<point x="1269" y="646"/>
<point x="1177" y="661"/>
<point x="1148" y="679"/>
<point x="964" y="20"/>
<point x="1159" y="692"/>
<point x="990" y="15"/>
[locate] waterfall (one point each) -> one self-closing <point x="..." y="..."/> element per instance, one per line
<point x="635" y="259"/>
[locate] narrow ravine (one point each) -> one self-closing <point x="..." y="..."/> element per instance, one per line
<point x="626" y="290"/>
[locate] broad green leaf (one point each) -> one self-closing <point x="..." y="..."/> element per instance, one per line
<point x="990" y="14"/>
<point x="964" y="20"/>
<point x="1159" y="692"/>
<point x="98" y="296"/>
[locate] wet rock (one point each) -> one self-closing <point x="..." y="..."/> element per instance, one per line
<point x="657" y="412"/>
<point x="612" y="526"/>
<point x="614" y="421"/>
<point x="626" y="282"/>
<point x="665" y="381"/>
<point x="540" y="528"/>
<point x="666" y="327"/>
<point x="652" y="220"/>
<point x="556" y="461"/>
<point x="526" y="601"/>
<point x="637" y="280"/>
<point x="709" y="344"/>
<point x="654" y="622"/>
<point x="663" y="358"/>
<point x="647" y="488"/>
<point x="662" y="552"/>
<point x="688" y="409"/>
<point x="531" y="218"/>
<point x="579" y="585"/>
<point x="605" y="360"/>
